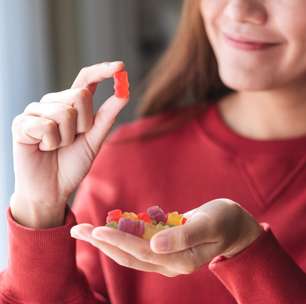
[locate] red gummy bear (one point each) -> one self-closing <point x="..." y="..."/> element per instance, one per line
<point x="145" y="217"/>
<point x="121" y="85"/>
<point x="113" y="216"/>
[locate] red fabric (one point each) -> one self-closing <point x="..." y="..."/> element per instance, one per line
<point x="181" y="169"/>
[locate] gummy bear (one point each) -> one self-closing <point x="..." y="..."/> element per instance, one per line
<point x="157" y="214"/>
<point x="130" y="215"/>
<point x="131" y="226"/>
<point x="151" y="229"/>
<point x="174" y="218"/>
<point x="121" y="85"/>
<point x="113" y="216"/>
<point x="145" y="217"/>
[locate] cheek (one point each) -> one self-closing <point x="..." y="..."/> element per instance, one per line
<point x="211" y="11"/>
<point x="240" y="70"/>
<point x="292" y="24"/>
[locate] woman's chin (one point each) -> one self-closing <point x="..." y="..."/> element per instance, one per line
<point x="246" y="82"/>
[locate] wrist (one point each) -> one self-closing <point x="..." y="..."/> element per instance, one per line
<point x="36" y="216"/>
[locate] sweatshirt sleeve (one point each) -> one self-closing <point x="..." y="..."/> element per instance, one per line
<point x="48" y="265"/>
<point x="42" y="266"/>
<point x="262" y="273"/>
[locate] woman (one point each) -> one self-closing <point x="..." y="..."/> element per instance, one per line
<point x="223" y="116"/>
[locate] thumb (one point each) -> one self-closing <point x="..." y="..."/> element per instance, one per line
<point x="104" y="119"/>
<point x="196" y="231"/>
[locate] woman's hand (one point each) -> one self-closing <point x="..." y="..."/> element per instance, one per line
<point x="55" y="142"/>
<point x="219" y="227"/>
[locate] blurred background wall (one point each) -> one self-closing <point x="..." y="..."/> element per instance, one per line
<point x="44" y="43"/>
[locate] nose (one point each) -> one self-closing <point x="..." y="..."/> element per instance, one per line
<point x="246" y="11"/>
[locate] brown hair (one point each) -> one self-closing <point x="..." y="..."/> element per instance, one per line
<point x="186" y="74"/>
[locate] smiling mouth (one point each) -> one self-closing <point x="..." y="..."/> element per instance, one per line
<point x="247" y="45"/>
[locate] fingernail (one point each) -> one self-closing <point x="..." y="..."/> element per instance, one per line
<point x="77" y="234"/>
<point x="162" y="243"/>
<point x="113" y="63"/>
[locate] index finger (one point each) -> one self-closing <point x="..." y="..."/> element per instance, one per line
<point x="127" y="242"/>
<point x="89" y="77"/>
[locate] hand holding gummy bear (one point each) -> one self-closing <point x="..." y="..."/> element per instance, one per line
<point x="55" y="134"/>
<point x="173" y="244"/>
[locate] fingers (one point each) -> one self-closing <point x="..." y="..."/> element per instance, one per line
<point x="68" y="113"/>
<point x="83" y="231"/>
<point x="180" y="262"/>
<point x="63" y="114"/>
<point x="80" y="99"/>
<point x="33" y="130"/>
<point x="127" y="260"/>
<point x="90" y="76"/>
<point x="197" y="230"/>
<point x="129" y="243"/>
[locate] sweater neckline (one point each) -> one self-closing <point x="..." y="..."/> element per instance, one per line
<point x="212" y="124"/>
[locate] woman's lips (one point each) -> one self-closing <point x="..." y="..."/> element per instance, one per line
<point x="247" y="45"/>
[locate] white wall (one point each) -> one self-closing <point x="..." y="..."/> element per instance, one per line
<point x="25" y="73"/>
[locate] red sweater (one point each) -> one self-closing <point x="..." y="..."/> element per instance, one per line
<point x="180" y="169"/>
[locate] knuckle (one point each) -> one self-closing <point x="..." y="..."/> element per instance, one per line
<point x="230" y="207"/>
<point x="69" y="113"/>
<point x="234" y="207"/>
<point x="16" y="122"/>
<point x="84" y="68"/>
<point x="50" y="126"/>
<point x="30" y="107"/>
<point x="46" y="97"/>
<point x="84" y="93"/>
<point x="230" y="203"/>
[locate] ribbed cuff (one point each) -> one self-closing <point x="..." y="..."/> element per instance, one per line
<point x="41" y="261"/>
<point x="261" y="273"/>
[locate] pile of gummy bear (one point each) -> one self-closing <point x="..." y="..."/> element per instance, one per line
<point x="144" y="224"/>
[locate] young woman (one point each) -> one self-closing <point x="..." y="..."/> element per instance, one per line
<point x="221" y="137"/>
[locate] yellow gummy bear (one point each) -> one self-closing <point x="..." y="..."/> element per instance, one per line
<point x="174" y="218"/>
<point x="130" y="215"/>
<point x="151" y="229"/>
